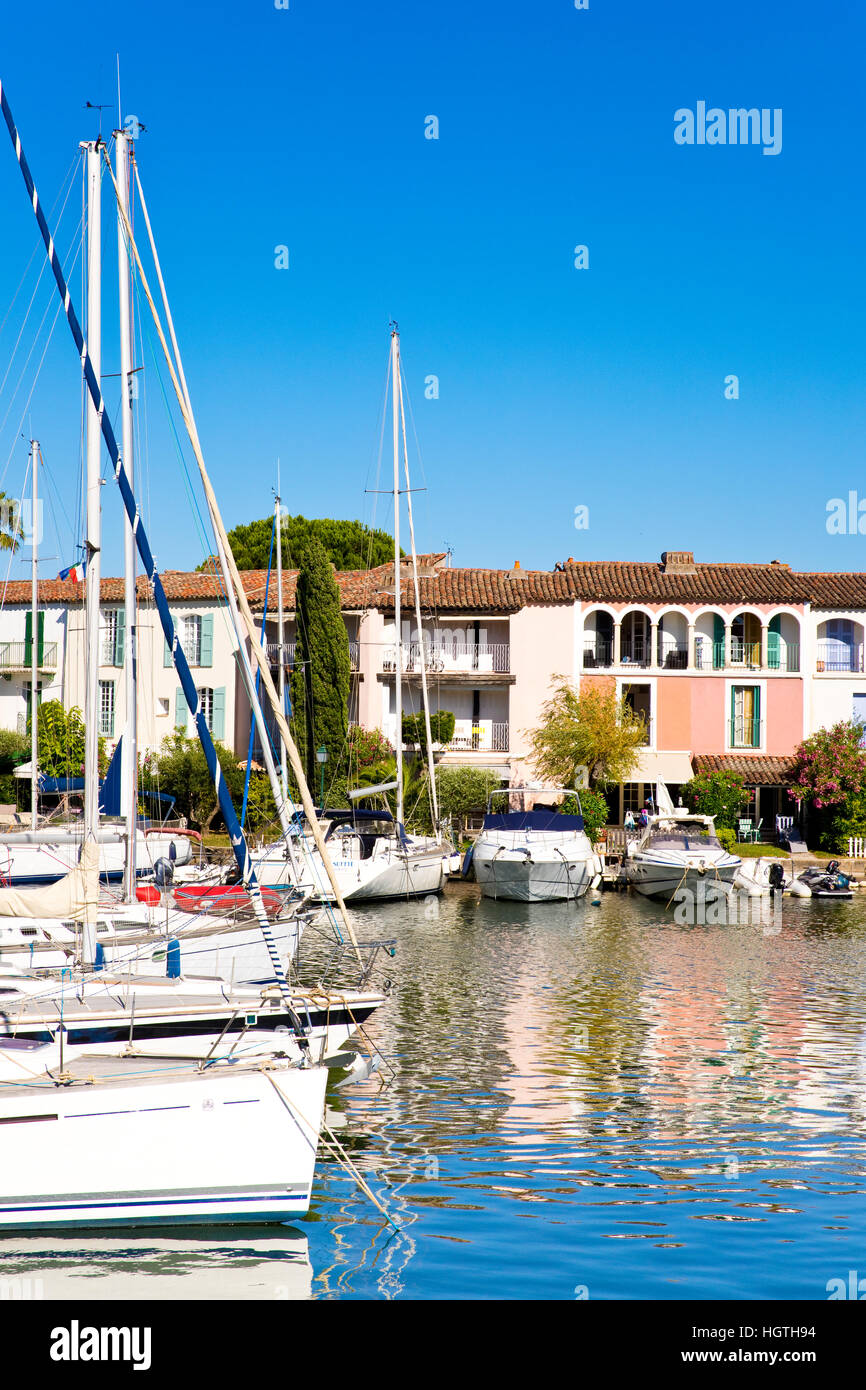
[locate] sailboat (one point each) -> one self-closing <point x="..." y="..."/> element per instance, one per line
<point x="168" y="1122"/>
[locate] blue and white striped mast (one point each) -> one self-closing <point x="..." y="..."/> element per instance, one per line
<point x="236" y="835"/>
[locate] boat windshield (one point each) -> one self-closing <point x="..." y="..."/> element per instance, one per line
<point x="692" y="835"/>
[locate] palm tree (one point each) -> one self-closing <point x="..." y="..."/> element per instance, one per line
<point x="10" y="531"/>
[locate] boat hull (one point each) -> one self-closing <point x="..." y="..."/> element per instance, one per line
<point x="658" y="880"/>
<point x="531" y="878"/>
<point x="206" y="1149"/>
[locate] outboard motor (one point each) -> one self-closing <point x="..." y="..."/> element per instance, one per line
<point x="776" y="877"/>
<point x="163" y="873"/>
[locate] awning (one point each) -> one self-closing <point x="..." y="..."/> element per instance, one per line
<point x="672" y="767"/>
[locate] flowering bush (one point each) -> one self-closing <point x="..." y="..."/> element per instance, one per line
<point x="831" y="766"/>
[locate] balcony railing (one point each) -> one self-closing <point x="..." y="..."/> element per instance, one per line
<point x="745" y="733"/>
<point x="785" y="657"/>
<point x="833" y="655"/>
<point x="16" y="656"/>
<point x="289" y="654"/>
<point x="479" y="736"/>
<point x="597" y="653"/>
<point x="673" y="656"/>
<point x="745" y="653"/>
<point x="635" y="653"/>
<point x="451" y="657"/>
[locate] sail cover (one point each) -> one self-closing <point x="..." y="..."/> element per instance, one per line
<point x="72" y="898"/>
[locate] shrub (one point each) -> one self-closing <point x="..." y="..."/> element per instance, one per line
<point x="596" y="811"/>
<point x="718" y="794"/>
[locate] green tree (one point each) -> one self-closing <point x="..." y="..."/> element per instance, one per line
<point x="179" y="769"/>
<point x="10" y="531"/>
<point x="594" y="809"/>
<point x="719" y="794"/>
<point x="464" y="792"/>
<point x="322" y="673"/>
<point x="14" y="749"/>
<point x="60" y="735"/>
<point x="349" y="545"/>
<point x="594" y="730"/>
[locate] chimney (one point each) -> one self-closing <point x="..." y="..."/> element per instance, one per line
<point x="678" y="562"/>
<point x="517" y="564"/>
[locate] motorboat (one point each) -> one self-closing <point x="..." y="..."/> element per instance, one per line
<point x="372" y="856"/>
<point x="533" y="855"/>
<point x="766" y="875"/>
<point x="828" y="882"/>
<point x="678" y="849"/>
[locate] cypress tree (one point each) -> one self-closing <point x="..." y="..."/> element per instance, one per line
<point x="322" y="673"/>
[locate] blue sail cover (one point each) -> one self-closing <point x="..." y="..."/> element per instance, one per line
<point x="109" y="792"/>
<point x="532" y="820"/>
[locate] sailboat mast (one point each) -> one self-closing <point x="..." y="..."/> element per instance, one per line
<point x="92" y="513"/>
<point x="34" y="636"/>
<point x="398" y="663"/>
<point x="129" y="750"/>
<point x="284" y="771"/>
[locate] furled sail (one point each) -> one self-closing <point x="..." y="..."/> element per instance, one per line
<point x="73" y="898"/>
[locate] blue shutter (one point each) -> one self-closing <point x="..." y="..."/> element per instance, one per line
<point x="166" y="654"/>
<point x="207" y="639"/>
<point x="179" y="709"/>
<point x="218" y="727"/>
<point x="120" y="637"/>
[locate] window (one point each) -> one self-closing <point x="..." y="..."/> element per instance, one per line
<point x="109" y="636"/>
<point x="859" y="716"/>
<point x="106" y="708"/>
<point x="162" y="705"/>
<point x="206" y="698"/>
<point x="190" y="639"/>
<point x="745" y="716"/>
<point x="639" y="699"/>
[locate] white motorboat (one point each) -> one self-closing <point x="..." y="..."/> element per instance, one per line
<point x="372" y="858"/>
<point x="108" y="1141"/>
<point x="767" y="875"/>
<point x="538" y="855"/>
<point x="26" y="863"/>
<point x="678" y="850"/>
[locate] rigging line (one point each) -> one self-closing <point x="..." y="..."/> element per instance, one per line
<point x="32" y="297"/>
<point x="68" y="177"/>
<point x="30" y="396"/>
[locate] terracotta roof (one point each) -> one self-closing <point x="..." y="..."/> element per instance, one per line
<point x="755" y="770"/>
<point x="622" y="580"/>
<point x="836" y="590"/>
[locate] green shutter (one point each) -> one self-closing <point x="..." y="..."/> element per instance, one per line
<point x="120" y="637"/>
<point x="166" y="653"/>
<point x="756" y="722"/>
<point x="218" y="729"/>
<point x="207" y="639"/>
<point x="774" y="643"/>
<point x="40" y="640"/>
<point x="28" y="637"/>
<point x="718" y="642"/>
<point x="179" y="709"/>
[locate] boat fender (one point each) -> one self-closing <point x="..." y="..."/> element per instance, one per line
<point x="172" y="959"/>
<point x="163" y="873"/>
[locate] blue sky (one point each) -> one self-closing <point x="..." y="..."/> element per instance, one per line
<point x="557" y="386"/>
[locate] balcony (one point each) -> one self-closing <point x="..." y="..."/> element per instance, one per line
<point x="273" y="650"/>
<point x="451" y="658"/>
<point x="833" y="655"/>
<point x="745" y="733"/>
<point x="673" y="656"/>
<point x="597" y="653"/>
<point x="746" y="654"/>
<point x="16" y="657"/>
<point x="479" y="736"/>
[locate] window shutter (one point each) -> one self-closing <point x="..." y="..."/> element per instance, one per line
<point x="40" y="638"/>
<point x="207" y="639"/>
<point x="718" y="642"/>
<point x="166" y="653"/>
<point x="733" y="715"/>
<point x="120" y="637"/>
<point x="218" y="727"/>
<point x="774" y="643"/>
<point x="28" y="637"/>
<point x="180" y="709"/>
<point x="756" y="721"/>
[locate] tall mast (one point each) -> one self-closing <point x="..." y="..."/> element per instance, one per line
<point x="92" y="513"/>
<point x="398" y="664"/>
<point x="129" y="750"/>
<point x="284" y="770"/>
<point x="34" y="635"/>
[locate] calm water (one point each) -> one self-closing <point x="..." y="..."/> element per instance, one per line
<point x="585" y="1102"/>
